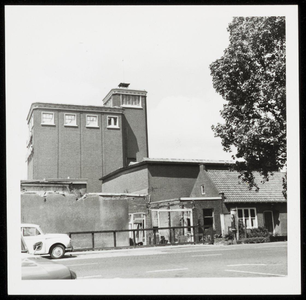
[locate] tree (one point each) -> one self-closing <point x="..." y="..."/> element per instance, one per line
<point x="251" y="77"/>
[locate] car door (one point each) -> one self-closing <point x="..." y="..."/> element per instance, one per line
<point x="32" y="236"/>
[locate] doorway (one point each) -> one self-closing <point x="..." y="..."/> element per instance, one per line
<point x="268" y="221"/>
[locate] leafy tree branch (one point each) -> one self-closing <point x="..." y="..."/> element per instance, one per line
<point x="251" y="78"/>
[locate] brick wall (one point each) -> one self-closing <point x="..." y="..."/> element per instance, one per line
<point x="171" y="181"/>
<point x="112" y="146"/>
<point x="91" y="153"/>
<point x="135" y="124"/>
<point x="76" y="152"/>
<point x="136" y="181"/>
<point x="45" y="141"/>
<point x="210" y="189"/>
<point x="137" y="204"/>
<point x="30" y="169"/>
<point x="69" y="156"/>
<point x="216" y="206"/>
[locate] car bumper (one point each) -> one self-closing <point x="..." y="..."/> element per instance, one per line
<point x="69" y="249"/>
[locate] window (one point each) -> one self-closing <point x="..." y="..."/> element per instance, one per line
<point x="30" y="231"/>
<point x="208" y="215"/>
<point x="248" y="217"/>
<point x="70" y="120"/>
<point x="131" y="100"/>
<point x="202" y="189"/>
<point x="91" y="121"/>
<point x="188" y="224"/>
<point x="47" y="118"/>
<point x="112" y="122"/>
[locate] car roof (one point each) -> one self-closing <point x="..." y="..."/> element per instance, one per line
<point x="29" y="225"/>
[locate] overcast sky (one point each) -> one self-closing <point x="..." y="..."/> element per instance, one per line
<point x="75" y="55"/>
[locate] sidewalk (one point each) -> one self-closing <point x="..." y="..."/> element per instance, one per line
<point x="160" y="249"/>
<point x="120" y="250"/>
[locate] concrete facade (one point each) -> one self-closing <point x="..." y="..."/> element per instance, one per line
<point x="61" y="150"/>
<point x="62" y="207"/>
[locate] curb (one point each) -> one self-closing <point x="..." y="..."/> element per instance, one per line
<point x="121" y="250"/>
<point x="99" y="251"/>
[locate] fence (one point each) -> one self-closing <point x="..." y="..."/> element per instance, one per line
<point x="93" y="240"/>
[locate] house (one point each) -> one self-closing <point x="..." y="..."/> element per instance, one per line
<point x="202" y="193"/>
<point x="87" y="142"/>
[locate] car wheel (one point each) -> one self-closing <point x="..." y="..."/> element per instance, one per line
<point x="57" y="251"/>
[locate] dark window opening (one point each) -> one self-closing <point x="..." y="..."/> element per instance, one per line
<point x="188" y="224"/>
<point x="208" y="215"/>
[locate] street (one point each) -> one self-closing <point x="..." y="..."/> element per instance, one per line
<point x="188" y="261"/>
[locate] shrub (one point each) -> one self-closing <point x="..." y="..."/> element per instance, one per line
<point x="254" y="240"/>
<point x="229" y="236"/>
<point x="254" y="232"/>
<point x="259" y="232"/>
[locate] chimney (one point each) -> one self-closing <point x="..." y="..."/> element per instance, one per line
<point x="123" y="85"/>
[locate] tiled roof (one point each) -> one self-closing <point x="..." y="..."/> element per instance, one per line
<point x="235" y="190"/>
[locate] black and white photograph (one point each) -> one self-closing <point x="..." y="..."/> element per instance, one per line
<point x="152" y="150"/>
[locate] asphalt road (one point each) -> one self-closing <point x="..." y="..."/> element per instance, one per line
<point x="190" y="261"/>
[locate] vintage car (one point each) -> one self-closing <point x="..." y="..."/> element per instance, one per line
<point x="55" y="244"/>
<point x="35" y="267"/>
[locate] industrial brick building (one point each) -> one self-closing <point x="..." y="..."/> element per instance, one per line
<point x="87" y="142"/>
<point x="72" y="147"/>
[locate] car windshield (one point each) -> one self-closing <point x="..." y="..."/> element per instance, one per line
<point x="30" y="231"/>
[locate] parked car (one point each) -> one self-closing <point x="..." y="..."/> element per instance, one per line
<point x="55" y="244"/>
<point x="35" y="267"/>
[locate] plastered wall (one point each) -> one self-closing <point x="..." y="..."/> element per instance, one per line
<point x="62" y="214"/>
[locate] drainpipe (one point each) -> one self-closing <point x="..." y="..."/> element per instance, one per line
<point x="169" y="222"/>
<point x="191" y="219"/>
<point x="237" y="219"/>
<point x="222" y="213"/>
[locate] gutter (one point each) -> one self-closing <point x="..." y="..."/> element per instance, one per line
<point x="88" y="195"/>
<point x="199" y="198"/>
<point x="148" y="161"/>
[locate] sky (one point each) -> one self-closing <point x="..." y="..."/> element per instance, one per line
<point x="77" y="54"/>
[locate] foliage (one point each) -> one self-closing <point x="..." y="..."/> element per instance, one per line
<point x="251" y="77"/>
<point x="230" y="236"/>
<point x="258" y="232"/>
<point x="241" y="228"/>
<point x="254" y="240"/>
<point x="261" y="231"/>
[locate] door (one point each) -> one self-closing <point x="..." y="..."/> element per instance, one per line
<point x="32" y="236"/>
<point x="268" y="221"/>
